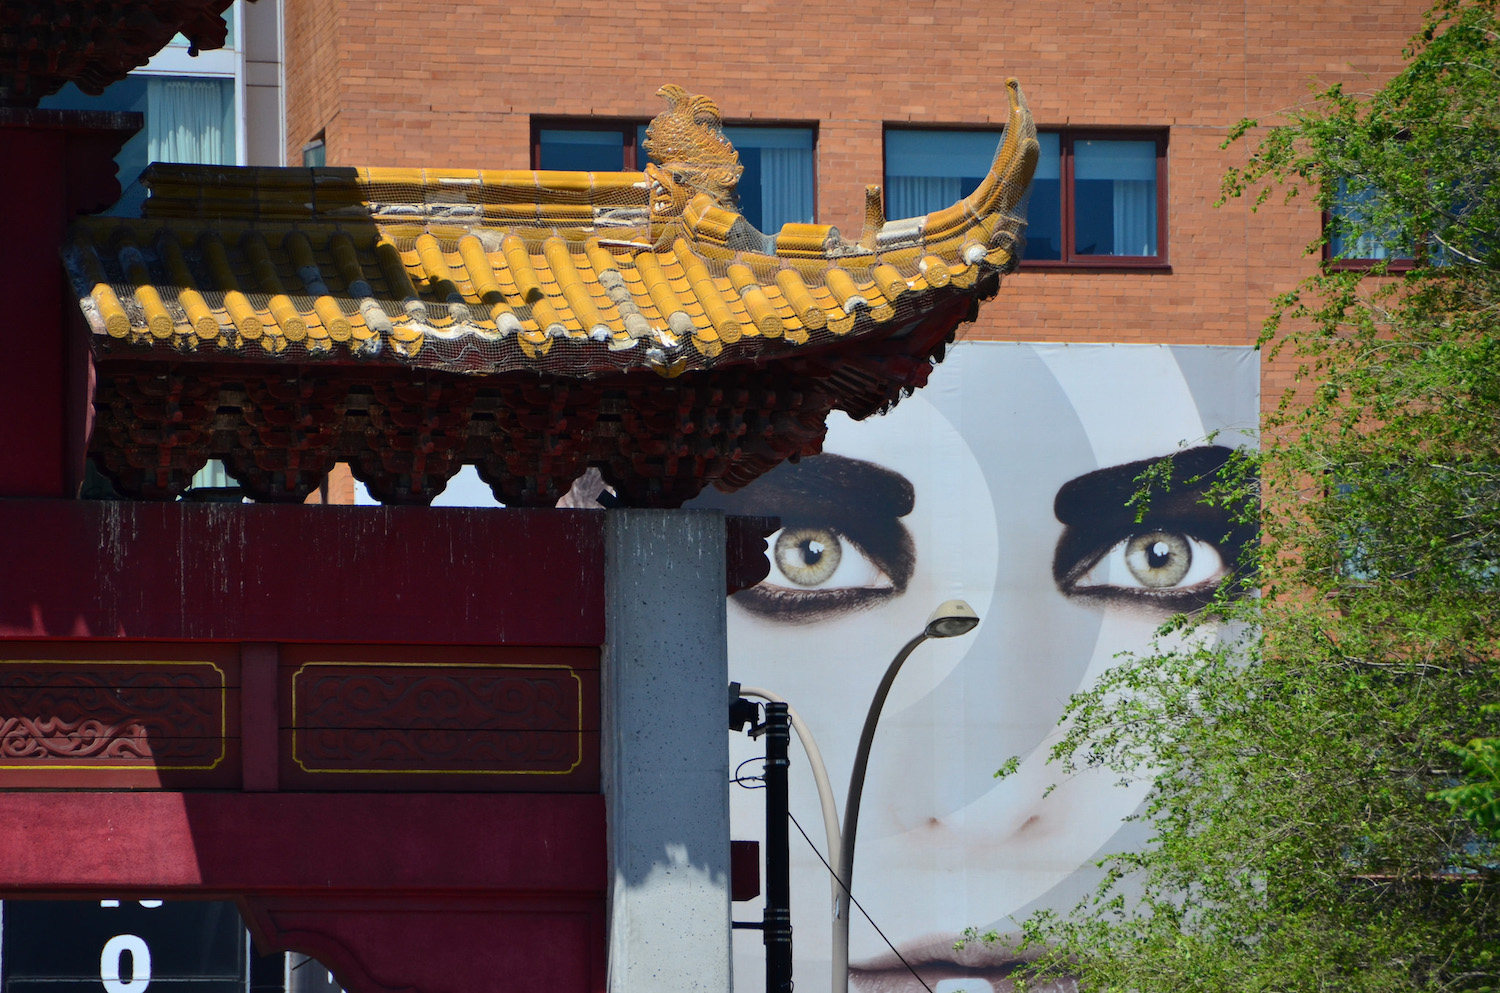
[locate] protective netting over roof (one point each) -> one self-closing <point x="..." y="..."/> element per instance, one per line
<point x="409" y="322"/>
<point x="567" y="273"/>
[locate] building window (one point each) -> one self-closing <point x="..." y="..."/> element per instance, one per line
<point x="188" y="119"/>
<point x="192" y="115"/>
<point x="1098" y="199"/>
<point x="778" y="185"/>
<point x="929" y="170"/>
<point x="315" y="152"/>
<point x="586" y="147"/>
<point x="1353" y="240"/>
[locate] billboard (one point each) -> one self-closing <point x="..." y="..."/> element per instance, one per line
<point x="1003" y="483"/>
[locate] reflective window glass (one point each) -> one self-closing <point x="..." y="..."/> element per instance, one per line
<point x="581" y="150"/>
<point x="1094" y="199"/>
<point x="1351" y="236"/>
<point x="777" y="186"/>
<point x="1114" y="197"/>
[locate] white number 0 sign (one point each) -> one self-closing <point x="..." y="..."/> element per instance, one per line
<point x="140" y="964"/>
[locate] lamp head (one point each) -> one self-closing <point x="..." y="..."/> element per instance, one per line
<point x="952" y="618"/>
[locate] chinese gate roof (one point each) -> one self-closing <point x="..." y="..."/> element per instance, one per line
<point x="583" y="278"/>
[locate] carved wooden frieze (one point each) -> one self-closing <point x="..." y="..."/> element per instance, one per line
<point x="406" y="433"/>
<point x="205" y="716"/>
<point x="130" y="723"/>
<point x="416" y="725"/>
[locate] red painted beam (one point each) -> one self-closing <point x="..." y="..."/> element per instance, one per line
<point x="441" y="943"/>
<point x="414" y="893"/>
<point x="212" y="845"/>
<point x="240" y="572"/>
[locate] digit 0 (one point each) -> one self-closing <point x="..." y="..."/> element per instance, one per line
<point x="140" y="964"/>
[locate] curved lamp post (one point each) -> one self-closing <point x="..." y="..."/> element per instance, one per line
<point x="951" y="619"/>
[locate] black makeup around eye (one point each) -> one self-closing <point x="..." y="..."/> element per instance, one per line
<point x="862" y="501"/>
<point x="1098" y="513"/>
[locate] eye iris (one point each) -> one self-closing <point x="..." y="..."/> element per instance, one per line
<point x="807" y="556"/>
<point x="1158" y="558"/>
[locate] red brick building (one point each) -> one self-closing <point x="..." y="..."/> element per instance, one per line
<point x="471" y="85"/>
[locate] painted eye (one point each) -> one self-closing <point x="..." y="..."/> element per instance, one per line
<point x="842" y="548"/>
<point x="821" y="559"/>
<point x="1174" y="557"/>
<point x="1160" y="561"/>
<point x="1158" y="558"/>
<point x="808" y="556"/>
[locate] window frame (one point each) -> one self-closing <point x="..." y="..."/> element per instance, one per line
<point x="1393" y="264"/>
<point x="1390" y="264"/>
<point x="625" y="127"/>
<point x="316" y="148"/>
<point x="635" y="158"/>
<point x="1067" y="134"/>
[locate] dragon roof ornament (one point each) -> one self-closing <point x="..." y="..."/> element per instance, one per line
<point x="687" y="140"/>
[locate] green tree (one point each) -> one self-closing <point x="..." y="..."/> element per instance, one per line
<point x="1314" y="825"/>
<point x="1478" y="797"/>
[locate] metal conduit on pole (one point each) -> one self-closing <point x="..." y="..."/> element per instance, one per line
<point x="820" y="777"/>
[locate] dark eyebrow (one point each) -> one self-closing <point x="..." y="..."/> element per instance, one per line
<point x="1106" y="493"/>
<point x="861" y="500"/>
<point x="818" y="485"/>
<point x="1097" y="509"/>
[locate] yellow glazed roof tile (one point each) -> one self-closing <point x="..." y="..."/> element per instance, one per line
<point x="486" y="271"/>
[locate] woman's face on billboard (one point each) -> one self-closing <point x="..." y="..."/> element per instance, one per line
<point x="1003" y="483"/>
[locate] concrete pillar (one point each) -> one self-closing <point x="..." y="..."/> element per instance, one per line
<point x="666" y="751"/>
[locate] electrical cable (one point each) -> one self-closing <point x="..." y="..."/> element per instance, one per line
<point x="740" y="781"/>
<point x="862" y="910"/>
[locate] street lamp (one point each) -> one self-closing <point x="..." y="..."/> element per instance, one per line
<point x="951" y="619"/>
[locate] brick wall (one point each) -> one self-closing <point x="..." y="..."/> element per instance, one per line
<point x="314" y="53"/>
<point x="413" y="83"/>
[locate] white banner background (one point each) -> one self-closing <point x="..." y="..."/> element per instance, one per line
<point x="985" y="448"/>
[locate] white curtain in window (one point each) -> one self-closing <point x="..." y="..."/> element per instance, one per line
<point x="185" y="121"/>
<point x="785" y="166"/>
<point x="926" y="170"/>
<point x="1366" y="246"/>
<point x="1130" y="166"/>
<point x="1135" y="217"/>
<point x="786" y="186"/>
<point x="1354" y="209"/>
<point x="916" y="196"/>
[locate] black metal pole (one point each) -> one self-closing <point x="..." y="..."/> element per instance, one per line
<point x="777" y="930"/>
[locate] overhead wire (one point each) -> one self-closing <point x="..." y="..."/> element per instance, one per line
<point x="915" y="975"/>
<point x="742" y="782"/>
